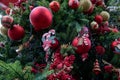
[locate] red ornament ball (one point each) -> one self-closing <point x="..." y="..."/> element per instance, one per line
<point x="55" y="44"/>
<point x="16" y="32"/>
<point x="98" y="19"/>
<point x="54" y="6"/>
<point x="74" y="4"/>
<point x="40" y="18"/>
<point x="100" y="50"/>
<point x="100" y="3"/>
<point x="82" y="45"/>
<point x="7" y="21"/>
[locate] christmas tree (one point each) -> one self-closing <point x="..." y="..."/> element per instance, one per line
<point x="59" y="40"/>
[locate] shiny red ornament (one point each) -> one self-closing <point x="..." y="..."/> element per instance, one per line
<point x="7" y="21"/>
<point x="40" y="18"/>
<point x="98" y="19"/>
<point x="16" y="32"/>
<point x="100" y="50"/>
<point x="54" y="6"/>
<point x="74" y="4"/>
<point x="82" y="45"/>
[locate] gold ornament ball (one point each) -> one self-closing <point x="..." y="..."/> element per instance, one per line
<point x="3" y="30"/>
<point x="85" y="4"/>
<point x="94" y="25"/>
<point x="105" y="15"/>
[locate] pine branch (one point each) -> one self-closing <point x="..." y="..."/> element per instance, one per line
<point x="21" y="76"/>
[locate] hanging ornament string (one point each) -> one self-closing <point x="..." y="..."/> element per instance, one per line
<point x="24" y="44"/>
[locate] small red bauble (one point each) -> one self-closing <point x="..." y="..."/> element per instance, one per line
<point x="7" y="21"/>
<point x="40" y="18"/>
<point x="16" y="32"/>
<point x="54" y="6"/>
<point x="74" y="4"/>
<point x="100" y="50"/>
<point x="55" y="44"/>
<point x="98" y="19"/>
<point x="83" y="45"/>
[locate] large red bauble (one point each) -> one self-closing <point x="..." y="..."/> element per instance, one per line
<point x="7" y="2"/>
<point x="40" y="18"/>
<point x="74" y="4"/>
<point x="82" y="45"/>
<point x="7" y="21"/>
<point x="16" y="32"/>
<point x="98" y="19"/>
<point x="54" y="6"/>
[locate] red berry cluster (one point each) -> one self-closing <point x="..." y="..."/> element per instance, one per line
<point x="38" y="68"/>
<point x="62" y="66"/>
